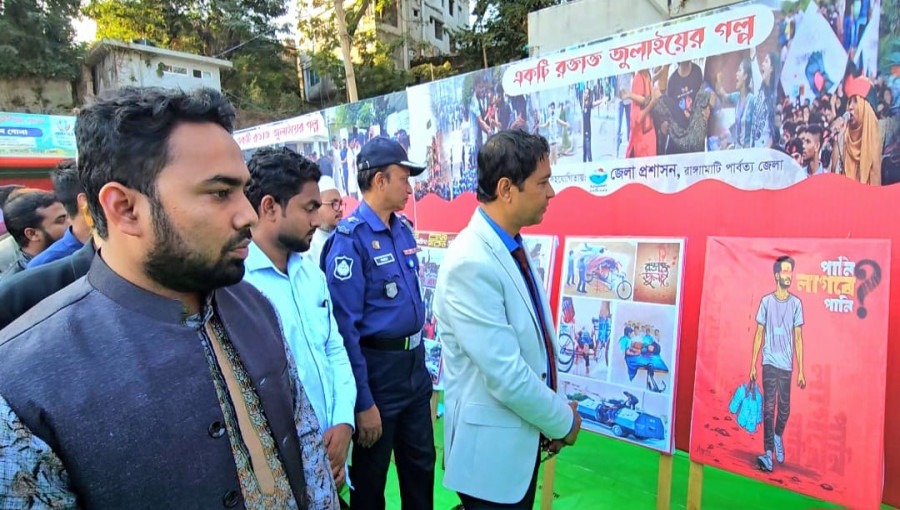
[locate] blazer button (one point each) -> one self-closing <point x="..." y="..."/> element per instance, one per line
<point x="231" y="499"/>
<point x="216" y="430"/>
<point x="544" y="376"/>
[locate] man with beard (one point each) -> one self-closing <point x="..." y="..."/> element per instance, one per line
<point x="285" y="195"/>
<point x="159" y="380"/>
<point x="70" y="193"/>
<point x="35" y="220"/>
<point x="372" y="271"/>
<point x="779" y="323"/>
<point x="330" y="213"/>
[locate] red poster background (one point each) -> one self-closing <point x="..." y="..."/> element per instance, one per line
<point x="829" y="206"/>
<point x="833" y="451"/>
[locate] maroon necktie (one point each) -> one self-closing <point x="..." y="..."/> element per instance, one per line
<point x="519" y="255"/>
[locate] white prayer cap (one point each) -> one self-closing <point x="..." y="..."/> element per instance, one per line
<point x="326" y="183"/>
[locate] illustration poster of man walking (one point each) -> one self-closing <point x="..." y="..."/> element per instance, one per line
<point x="779" y="332"/>
<point x="806" y="410"/>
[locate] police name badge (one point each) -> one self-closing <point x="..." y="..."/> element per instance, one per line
<point x="343" y="268"/>
<point x="391" y="290"/>
<point x="381" y="260"/>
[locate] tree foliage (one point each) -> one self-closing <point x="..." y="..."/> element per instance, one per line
<point x="375" y="69"/>
<point x="36" y="39"/>
<point x="499" y="29"/>
<point x="242" y="31"/>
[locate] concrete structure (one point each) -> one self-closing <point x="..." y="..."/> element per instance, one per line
<point x="422" y="26"/>
<point x="36" y="95"/>
<point x="581" y="21"/>
<point x="115" y="64"/>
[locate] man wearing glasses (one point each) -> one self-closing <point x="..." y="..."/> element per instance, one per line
<point x="330" y="213"/>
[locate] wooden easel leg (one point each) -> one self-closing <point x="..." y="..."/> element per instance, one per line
<point x="664" y="486"/>
<point x="435" y="396"/>
<point x="549" y="480"/>
<point x="695" y="486"/>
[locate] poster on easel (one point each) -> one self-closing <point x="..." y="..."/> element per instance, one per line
<point x="542" y="250"/>
<point x="433" y="246"/>
<point x="791" y="364"/>
<point x="619" y="330"/>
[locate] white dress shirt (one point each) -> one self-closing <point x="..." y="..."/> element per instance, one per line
<point x="314" y="253"/>
<point x="303" y="304"/>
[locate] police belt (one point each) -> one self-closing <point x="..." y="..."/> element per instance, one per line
<point x="406" y="343"/>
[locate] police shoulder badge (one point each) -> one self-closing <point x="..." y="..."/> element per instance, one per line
<point x="343" y="268"/>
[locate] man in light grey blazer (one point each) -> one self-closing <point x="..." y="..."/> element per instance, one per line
<point x="497" y="330"/>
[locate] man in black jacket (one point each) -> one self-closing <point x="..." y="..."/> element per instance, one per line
<point x="23" y="290"/>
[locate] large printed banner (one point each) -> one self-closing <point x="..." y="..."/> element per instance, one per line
<point x="352" y="125"/>
<point x="619" y="334"/>
<point x="333" y="137"/>
<point x="24" y="135"/>
<point x="433" y="246"/>
<point x="761" y="95"/>
<point x="791" y="364"/>
<point x="303" y="129"/>
<point x="733" y="30"/>
<point x="756" y="96"/>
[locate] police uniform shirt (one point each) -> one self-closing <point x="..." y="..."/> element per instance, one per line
<point x="372" y="274"/>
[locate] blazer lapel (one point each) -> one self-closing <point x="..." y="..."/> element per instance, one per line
<point x="484" y="232"/>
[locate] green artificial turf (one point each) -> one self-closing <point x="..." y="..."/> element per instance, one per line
<point x="603" y="473"/>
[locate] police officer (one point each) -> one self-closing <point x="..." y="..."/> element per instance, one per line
<point x="371" y="266"/>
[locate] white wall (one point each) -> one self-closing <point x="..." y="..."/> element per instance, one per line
<point x="573" y="23"/>
<point x="127" y="68"/>
<point x="581" y="21"/>
<point x="691" y="6"/>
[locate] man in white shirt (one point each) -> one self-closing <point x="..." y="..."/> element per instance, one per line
<point x="330" y="214"/>
<point x="285" y="194"/>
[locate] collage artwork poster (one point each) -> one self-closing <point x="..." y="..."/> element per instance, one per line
<point x="433" y="246"/>
<point x="619" y="330"/>
<point x="791" y="365"/>
<point x="760" y="95"/>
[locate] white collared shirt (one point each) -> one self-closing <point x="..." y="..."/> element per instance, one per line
<point x="314" y="253"/>
<point x="304" y="307"/>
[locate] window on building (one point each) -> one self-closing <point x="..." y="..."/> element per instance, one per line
<point x="438" y="30"/>
<point x="175" y="70"/>
<point x="451" y="7"/>
<point x="415" y="13"/>
<point x="197" y="73"/>
<point x="312" y="78"/>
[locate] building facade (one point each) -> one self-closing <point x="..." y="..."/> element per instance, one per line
<point x="115" y="64"/>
